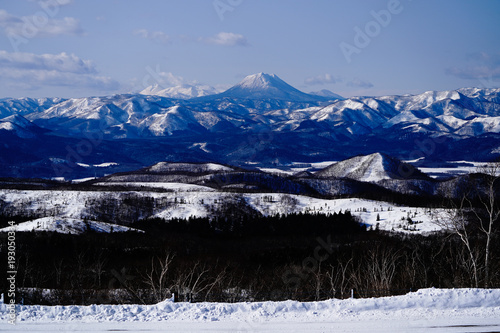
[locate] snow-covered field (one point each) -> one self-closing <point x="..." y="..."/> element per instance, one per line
<point x="462" y="168"/>
<point x="427" y="310"/>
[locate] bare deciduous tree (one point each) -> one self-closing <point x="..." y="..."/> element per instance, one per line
<point x="157" y="276"/>
<point x="193" y="281"/>
<point x="377" y="271"/>
<point x="454" y="220"/>
<point x="97" y="268"/>
<point x="479" y="201"/>
<point x="487" y="196"/>
<point x="338" y="277"/>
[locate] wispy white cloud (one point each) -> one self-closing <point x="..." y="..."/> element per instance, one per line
<point x="38" y="25"/>
<point x="480" y="65"/>
<point x="61" y="70"/>
<point x="156" y="36"/>
<point x="61" y="62"/>
<point x="168" y="79"/>
<point x="36" y="79"/>
<point x="360" y="84"/>
<point x="226" y="39"/>
<point x="157" y="77"/>
<point x="222" y="38"/>
<point x="322" y="79"/>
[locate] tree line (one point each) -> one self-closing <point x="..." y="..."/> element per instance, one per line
<point x="252" y="258"/>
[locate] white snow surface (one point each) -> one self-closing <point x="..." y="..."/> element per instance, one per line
<point x="458" y="310"/>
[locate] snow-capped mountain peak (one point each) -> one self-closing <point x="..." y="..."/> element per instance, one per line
<point x="260" y="81"/>
<point x="267" y="86"/>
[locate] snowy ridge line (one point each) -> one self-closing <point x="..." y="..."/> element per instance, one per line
<point x="422" y="304"/>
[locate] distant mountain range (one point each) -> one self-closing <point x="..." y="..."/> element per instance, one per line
<point x="260" y="120"/>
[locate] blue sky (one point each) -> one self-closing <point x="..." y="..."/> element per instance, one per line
<point x="76" y="48"/>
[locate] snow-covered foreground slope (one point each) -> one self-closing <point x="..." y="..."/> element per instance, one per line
<point x="434" y="310"/>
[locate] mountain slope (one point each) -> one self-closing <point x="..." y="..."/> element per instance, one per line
<point x="20" y="126"/>
<point x="371" y="168"/>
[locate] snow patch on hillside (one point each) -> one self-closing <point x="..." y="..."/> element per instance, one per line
<point x="101" y="165"/>
<point x="188" y="167"/>
<point x="179" y="187"/>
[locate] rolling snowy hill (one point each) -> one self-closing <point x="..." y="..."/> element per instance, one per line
<point x="66" y="211"/>
<point x="180" y="190"/>
<point x="371" y="168"/>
